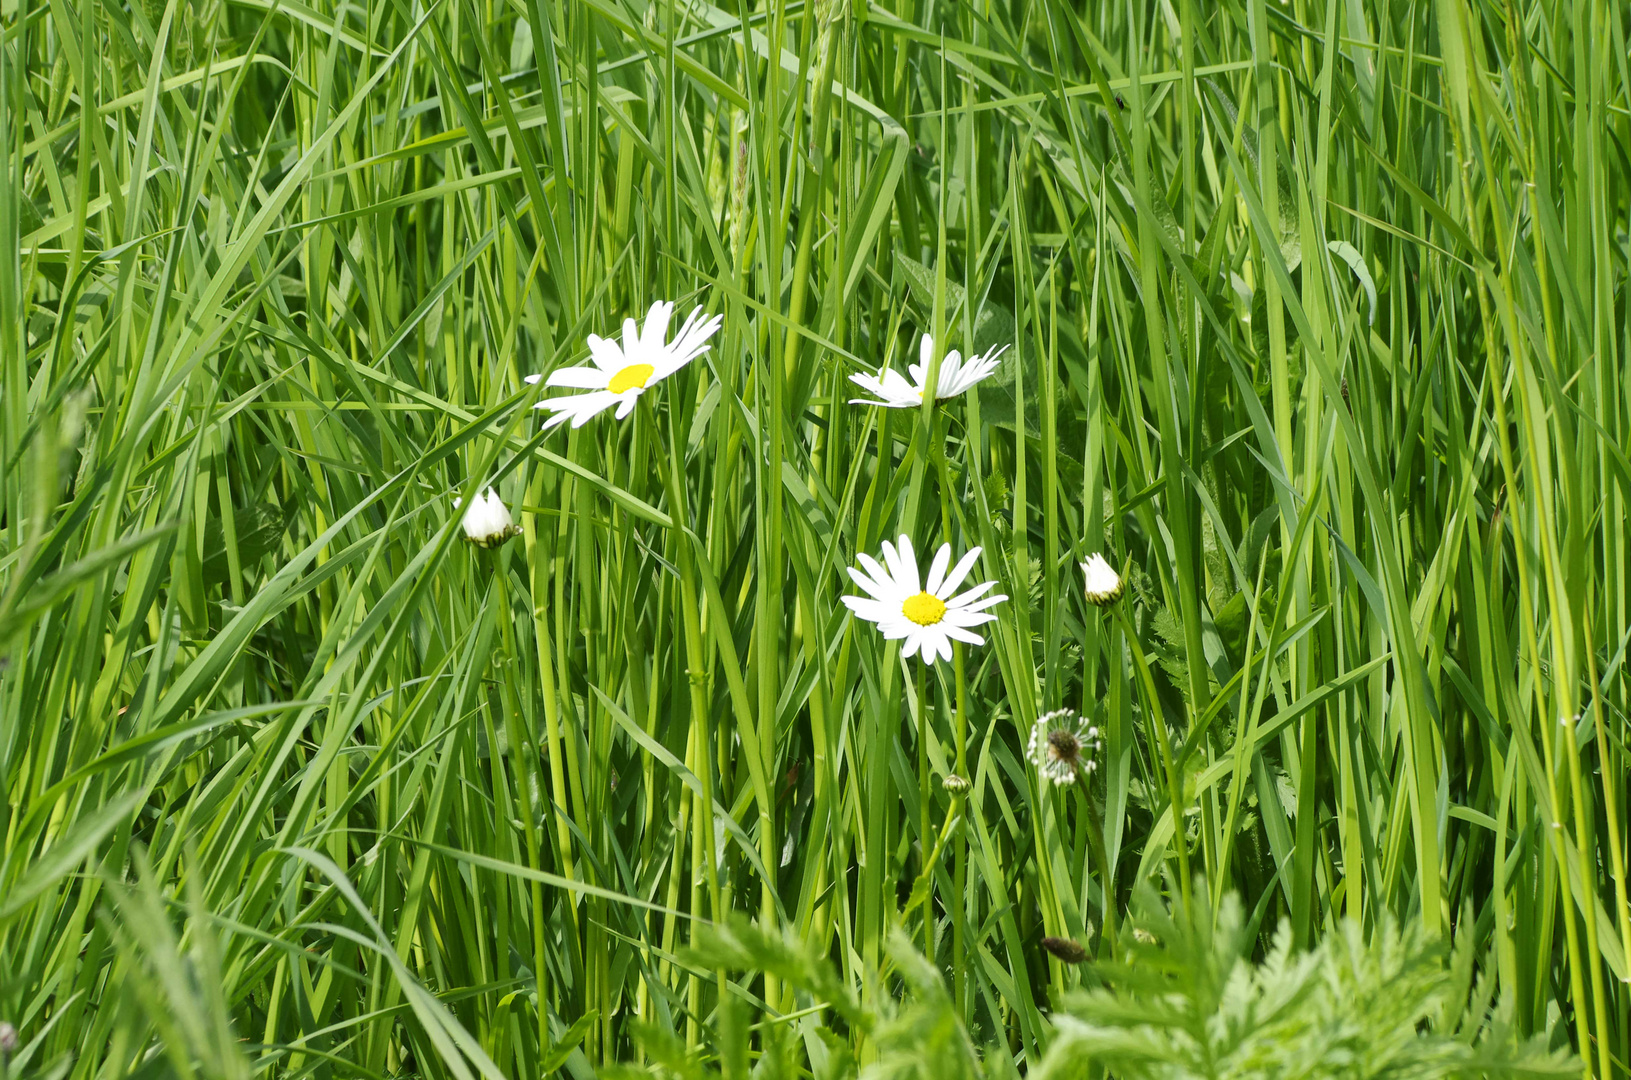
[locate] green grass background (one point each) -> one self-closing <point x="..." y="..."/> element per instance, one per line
<point x="1318" y="327"/>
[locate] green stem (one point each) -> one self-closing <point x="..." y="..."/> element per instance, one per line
<point x="925" y="827"/>
<point x="1095" y="841"/>
<point x="700" y="741"/>
<point x="959" y="895"/>
<point x="524" y="758"/>
<point x="1160" y="748"/>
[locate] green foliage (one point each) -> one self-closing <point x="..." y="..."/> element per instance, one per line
<point x="908" y="1023"/>
<point x="1185" y="1000"/>
<point x="1317" y="326"/>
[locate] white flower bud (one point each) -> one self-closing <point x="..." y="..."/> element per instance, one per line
<point x="487" y="523"/>
<point x="1103" y="583"/>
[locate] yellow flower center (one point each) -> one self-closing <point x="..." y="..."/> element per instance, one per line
<point x="632" y="377"/>
<point x="924" y="609"/>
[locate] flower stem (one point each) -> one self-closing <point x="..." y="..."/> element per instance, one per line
<point x="1160" y="748"/>
<point x="959" y="896"/>
<point x="697" y="665"/>
<point x="1095" y="842"/>
<point x="925" y="827"/>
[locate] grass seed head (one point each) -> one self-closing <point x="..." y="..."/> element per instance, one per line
<point x="1065" y="950"/>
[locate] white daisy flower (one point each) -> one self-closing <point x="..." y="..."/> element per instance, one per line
<point x="620" y="375"/>
<point x="955" y="377"/>
<point x="1062" y="746"/>
<point x="1103" y="583"/>
<point x="487" y="523"/>
<point x="926" y="615"/>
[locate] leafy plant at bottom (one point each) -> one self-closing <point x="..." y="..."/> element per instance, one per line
<point x="913" y="1034"/>
<point x="1186" y="1001"/>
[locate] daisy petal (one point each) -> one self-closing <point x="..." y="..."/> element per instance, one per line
<point x="632" y="353"/>
<point x="965" y="618"/>
<point x="908" y="566"/>
<point x="581" y="378"/>
<point x="655" y="332"/>
<point x="966" y="636"/>
<point x="580" y="408"/>
<point x="950" y="373"/>
<point x="958" y="573"/>
<point x="893" y="390"/>
<point x="690" y="343"/>
<point x="969" y="609"/>
<point x="894" y="631"/>
<point x="914" y="644"/>
<point x="937" y="570"/>
<point x="870" y="610"/>
<point x="606" y="355"/>
<point x="874" y="585"/>
<point x="970" y="595"/>
<point x="692" y="340"/>
<point x="896" y="386"/>
<point x="891" y="562"/>
<point x="879" y="574"/>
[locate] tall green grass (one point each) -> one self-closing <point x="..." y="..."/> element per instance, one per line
<point x="1318" y="326"/>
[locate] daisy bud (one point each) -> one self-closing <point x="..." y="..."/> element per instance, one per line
<point x="1065" y="950"/>
<point x="954" y="784"/>
<point x="487" y="523"/>
<point x="1103" y="583"/>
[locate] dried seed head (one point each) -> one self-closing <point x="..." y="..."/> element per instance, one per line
<point x="1062" y="746"/>
<point x="1065" y="950"/>
<point x="1066" y="746"/>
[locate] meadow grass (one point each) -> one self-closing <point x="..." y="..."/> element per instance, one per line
<point x="1318" y="328"/>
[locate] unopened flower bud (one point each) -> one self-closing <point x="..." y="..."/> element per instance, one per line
<point x="8" y="1037"/>
<point x="1103" y="583"/>
<point x="954" y="784"/>
<point x="487" y="523"/>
